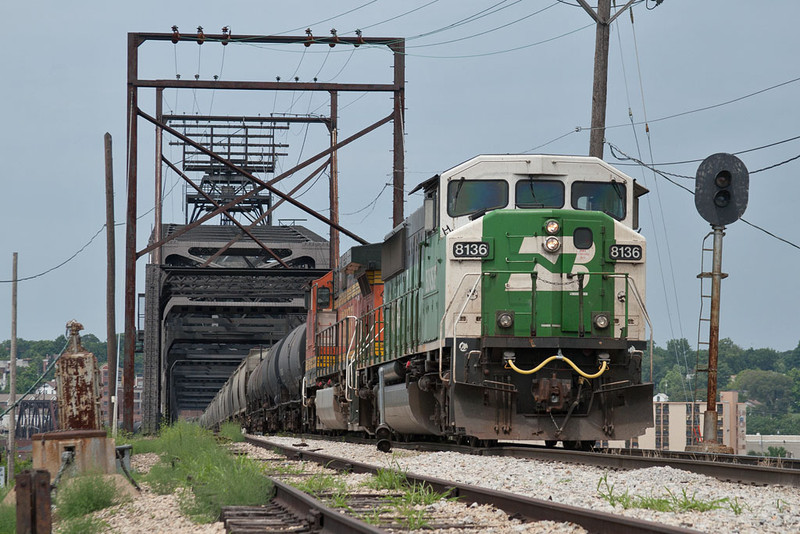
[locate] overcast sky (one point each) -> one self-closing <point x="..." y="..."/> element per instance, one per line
<point x="482" y="77"/>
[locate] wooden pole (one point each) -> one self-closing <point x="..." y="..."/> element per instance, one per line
<point x="600" y="85"/>
<point x="111" y="332"/>
<point x="12" y="364"/>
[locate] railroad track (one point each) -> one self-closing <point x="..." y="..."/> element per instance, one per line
<point x="291" y="510"/>
<point x="526" y="508"/>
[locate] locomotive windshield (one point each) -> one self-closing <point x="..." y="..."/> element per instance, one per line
<point x="539" y="194"/>
<point x="608" y="197"/>
<point x="470" y="196"/>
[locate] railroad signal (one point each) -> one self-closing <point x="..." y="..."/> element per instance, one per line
<point x="721" y="189"/>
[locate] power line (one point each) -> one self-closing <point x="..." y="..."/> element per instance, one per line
<point x="60" y="264"/>
<point x="713" y="106"/>
<point x="486" y="31"/>
<point x="698" y="160"/>
<point x="664" y="175"/>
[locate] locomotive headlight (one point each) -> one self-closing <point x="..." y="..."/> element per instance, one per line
<point x="601" y="321"/>
<point x="552" y="244"/>
<point x="505" y="319"/>
<point x="552" y="227"/>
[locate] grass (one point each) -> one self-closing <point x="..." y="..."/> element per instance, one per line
<point x="85" y="494"/>
<point x="409" y="505"/>
<point x="232" y="432"/>
<point x="8" y="514"/>
<point x="191" y="458"/>
<point x="671" y="502"/>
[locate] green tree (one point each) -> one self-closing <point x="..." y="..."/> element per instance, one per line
<point x="676" y="385"/>
<point x="771" y="389"/>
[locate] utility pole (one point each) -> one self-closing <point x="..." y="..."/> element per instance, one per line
<point x="12" y="364"/>
<point x="603" y="18"/>
<point x="111" y="332"/>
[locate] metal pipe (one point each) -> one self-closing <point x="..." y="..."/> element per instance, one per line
<point x="398" y="165"/>
<point x="381" y="397"/>
<point x="334" y="183"/>
<point x="710" y="423"/>
<point x="158" y="185"/>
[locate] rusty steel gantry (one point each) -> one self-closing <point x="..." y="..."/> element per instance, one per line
<point x="133" y="112"/>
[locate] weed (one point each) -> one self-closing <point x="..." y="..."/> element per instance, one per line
<point x="780" y="504"/>
<point x="191" y="458"/>
<point x="607" y="493"/>
<point x="85" y="494"/>
<point x="736" y="508"/>
<point x="388" y="479"/>
<point x="231" y="431"/>
<point x="669" y="503"/>
<point x="319" y="484"/>
<point x="373" y="517"/>
<point x="685" y="503"/>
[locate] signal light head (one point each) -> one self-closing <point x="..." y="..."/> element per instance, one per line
<point x="723" y="179"/>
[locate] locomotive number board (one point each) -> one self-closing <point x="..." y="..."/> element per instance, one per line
<point x="625" y="252"/>
<point x="466" y="250"/>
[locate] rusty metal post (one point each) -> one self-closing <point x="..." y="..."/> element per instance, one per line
<point x="600" y="84"/>
<point x="12" y="368"/>
<point x="130" y="238"/>
<point x="24" y="494"/>
<point x="334" y="181"/>
<point x="158" y="185"/>
<point x="33" y="502"/>
<point x="710" y="425"/>
<point x="42" y="517"/>
<point x="111" y="318"/>
<point x="398" y="167"/>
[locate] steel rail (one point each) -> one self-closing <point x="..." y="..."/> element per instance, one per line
<point x="529" y="508"/>
<point x="328" y="520"/>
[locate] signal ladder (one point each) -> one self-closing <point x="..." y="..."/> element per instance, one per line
<point x="704" y="322"/>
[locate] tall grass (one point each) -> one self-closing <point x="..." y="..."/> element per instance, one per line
<point x="83" y="495"/>
<point x="191" y="458"/>
<point x="231" y="431"/>
<point x="8" y="514"/>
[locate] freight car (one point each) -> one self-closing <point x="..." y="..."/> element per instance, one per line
<point x="510" y="305"/>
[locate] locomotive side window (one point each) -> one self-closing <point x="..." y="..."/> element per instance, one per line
<point x="470" y="196"/>
<point x="532" y="193"/>
<point x="608" y="197"/>
<point x="323" y="297"/>
<point x="583" y="238"/>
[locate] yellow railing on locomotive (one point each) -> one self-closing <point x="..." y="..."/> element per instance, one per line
<point x="360" y="339"/>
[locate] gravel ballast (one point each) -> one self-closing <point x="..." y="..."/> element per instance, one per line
<point x="742" y="508"/>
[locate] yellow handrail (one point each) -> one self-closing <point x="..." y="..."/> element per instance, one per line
<point x="603" y="367"/>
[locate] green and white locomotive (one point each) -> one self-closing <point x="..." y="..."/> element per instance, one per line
<point x="514" y="302"/>
<point x="510" y="305"/>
